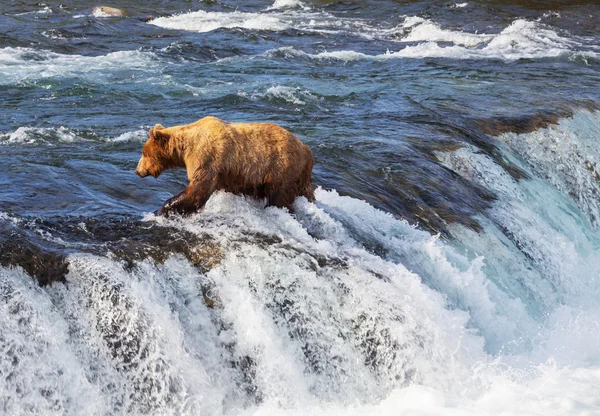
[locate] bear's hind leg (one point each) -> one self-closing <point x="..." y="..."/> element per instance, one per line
<point x="309" y="193"/>
<point x="281" y="199"/>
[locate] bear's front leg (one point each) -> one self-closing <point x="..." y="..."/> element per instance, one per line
<point x="190" y="200"/>
<point x="180" y="203"/>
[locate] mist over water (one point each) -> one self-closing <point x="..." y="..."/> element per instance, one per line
<point x="449" y="265"/>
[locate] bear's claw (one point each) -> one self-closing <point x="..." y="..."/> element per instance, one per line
<point x="162" y="212"/>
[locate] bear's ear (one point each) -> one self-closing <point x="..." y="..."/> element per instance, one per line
<point x="158" y="135"/>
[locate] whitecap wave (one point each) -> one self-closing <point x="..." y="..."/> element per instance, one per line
<point x="27" y="64"/>
<point x="32" y="135"/>
<point x="521" y="40"/>
<point x="424" y="50"/>
<point x="308" y="21"/>
<point x="202" y="21"/>
<point x="282" y="93"/>
<point x="347" y="56"/>
<point x="288" y="94"/>
<point x="420" y="29"/>
<point x="52" y="135"/>
<point x="140" y="135"/>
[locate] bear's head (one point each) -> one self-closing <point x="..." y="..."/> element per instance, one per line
<point x="155" y="155"/>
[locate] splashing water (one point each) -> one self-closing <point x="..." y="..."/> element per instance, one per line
<point x="301" y="318"/>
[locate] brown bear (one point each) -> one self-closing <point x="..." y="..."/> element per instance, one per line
<point x="261" y="160"/>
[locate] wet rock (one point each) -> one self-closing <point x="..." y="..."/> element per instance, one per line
<point x="211" y="300"/>
<point x="45" y="265"/>
<point x="535" y="120"/>
<point x="134" y="241"/>
<point x="129" y="240"/>
<point x="525" y="123"/>
<point x="107" y="11"/>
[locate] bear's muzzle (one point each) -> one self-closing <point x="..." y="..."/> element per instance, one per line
<point x="142" y="174"/>
<point x="141" y="168"/>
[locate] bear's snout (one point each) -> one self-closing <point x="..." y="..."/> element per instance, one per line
<point x="142" y="168"/>
<point x="142" y="174"/>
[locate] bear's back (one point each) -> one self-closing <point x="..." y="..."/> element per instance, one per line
<point x="251" y="141"/>
<point x="255" y="150"/>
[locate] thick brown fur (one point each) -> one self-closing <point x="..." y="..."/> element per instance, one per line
<point x="261" y="160"/>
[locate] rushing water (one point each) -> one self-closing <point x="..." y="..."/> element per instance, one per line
<point x="451" y="261"/>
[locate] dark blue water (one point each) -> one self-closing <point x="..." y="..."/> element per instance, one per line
<point x="370" y="120"/>
<point x="475" y="121"/>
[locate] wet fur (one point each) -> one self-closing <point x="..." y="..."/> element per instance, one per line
<point x="261" y="160"/>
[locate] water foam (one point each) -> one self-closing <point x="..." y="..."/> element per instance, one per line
<point x="284" y="94"/>
<point x="346" y="56"/>
<point x="287" y="4"/>
<point x="202" y="21"/>
<point x="140" y="135"/>
<point x="33" y="135"/>
<point x="22" y="65"/>
<point x="539" y="391"/>
<point x="522" y="39"/>
<point x="425" y="30"/>
<point x="302" y="320"/>
<point x="271" y="20"/>
<point x="49" y="136"/>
